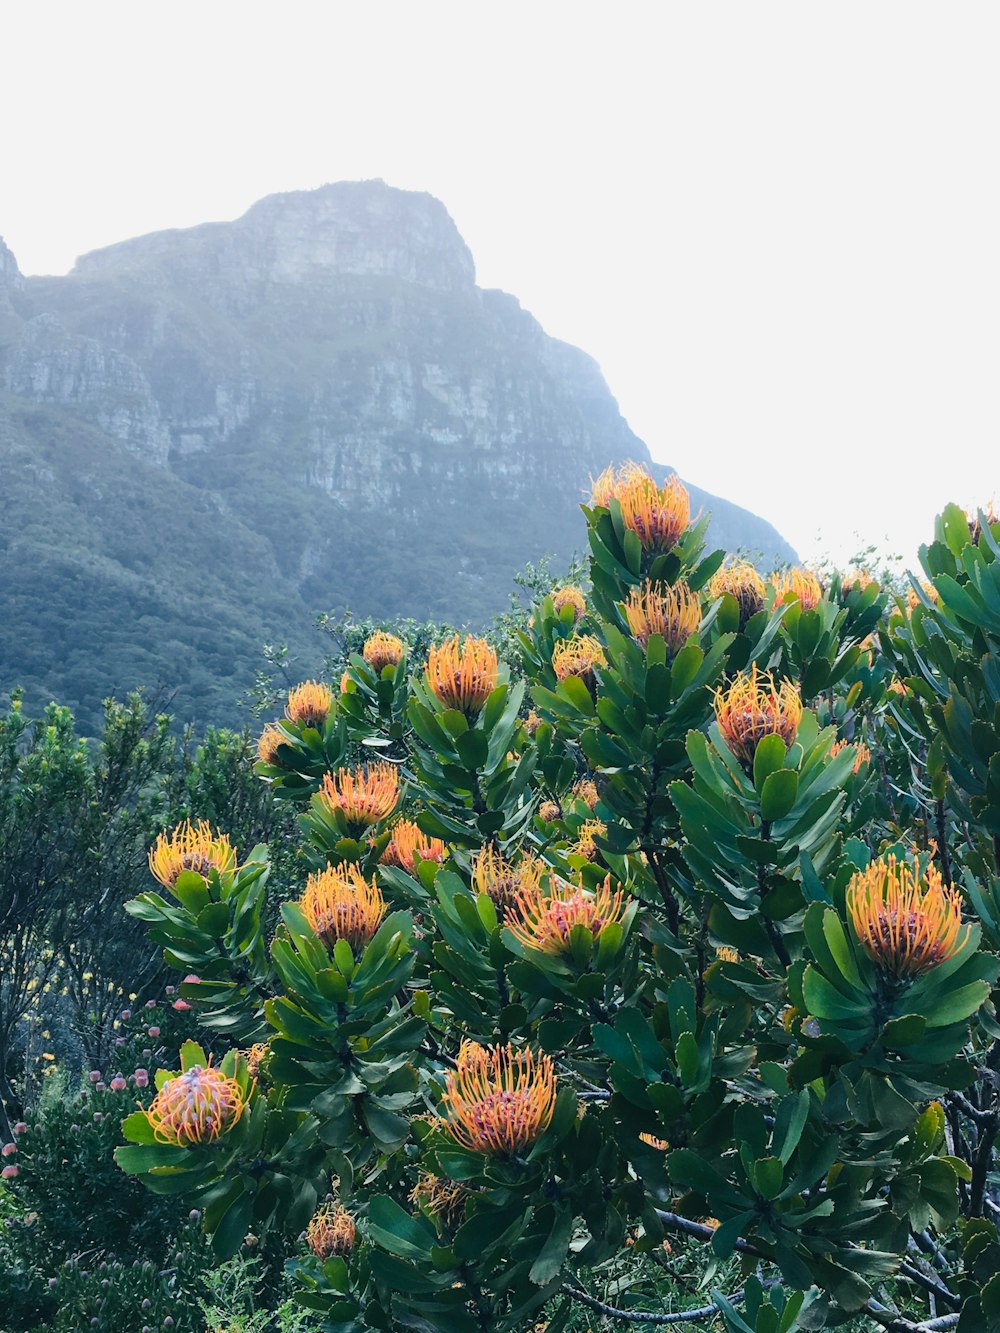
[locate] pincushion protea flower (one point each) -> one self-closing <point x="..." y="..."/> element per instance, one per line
<point x="753" y="707"/>
<point x="578" y="656"/>
<point x="862" y="754"/>
<point x="340" y="904"/>
<point x="498" y="1100"/>
<point x="569" y="596"/>
<point x="502" y="880"/>
<point x="543" y="919"/>
<point x="362" y="795"/>
<point x="906" y="923"/>
<point x="309" y="704"/>
<point x="740" y="580"/>
<point x="800" y="585"/>
<point x="268" y="742"/>
<point x="462" y="675"/>
<point x="440" y="1198"/>
<point x="191" y="847"/>
<point x="382" y="650"/>
<point x="407" y="843"/>
<point x="331" y="1231"/>
<point x="586" y="839"/>
<point x="725" y="953"/>
<point x="913" y="599"/>
<point x="346" y="681"/>
<point x="654" y="1142"/>
<point x="257" y="1057"/>
<point x="549" y="811"/>
<point x="585" y="790"/>
<point x="657" y="515"/>
<point x="195" y="1107"/>
<point x="672" y="612"/>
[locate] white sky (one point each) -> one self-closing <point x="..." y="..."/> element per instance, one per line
<point x="775" y="225"/>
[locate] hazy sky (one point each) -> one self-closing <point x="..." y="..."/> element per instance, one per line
<point x="775" y="225"/>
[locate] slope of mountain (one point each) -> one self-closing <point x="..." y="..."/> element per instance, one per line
<point x="208" y="436"/>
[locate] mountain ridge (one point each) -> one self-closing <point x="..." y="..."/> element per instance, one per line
<point x="322" y="381"/>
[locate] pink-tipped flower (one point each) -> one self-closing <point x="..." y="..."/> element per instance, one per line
<point x="181" y="1006"/>
<point x="101" y="1087"/>
<point x="141" y="1078"/>
<point x="150" y="1004"/>
<point x="126" y="1014"/>
<point x="170" y="990"/>
<point x="191" y="980"/>
<point x="8" y="1173"/>
<point x="153" y="1032"/>
<point x="21" y="1127"/>
<point x="94" y="1076"/>
<point x="8" y="1150"/>
<point x="118" y="1084"/>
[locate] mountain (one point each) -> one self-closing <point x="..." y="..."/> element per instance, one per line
<point x="209" y="436"/>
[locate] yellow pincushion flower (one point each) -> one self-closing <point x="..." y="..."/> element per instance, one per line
<point x="462" y="675"/>
<point x="741" y="581"/>
<point x="658" y="515"/>
<point x="672" y="612"/>
<point x="498" y="1100"/>
<point x="569" y="596"/>
<point x="800" y="585"/>
<point x="408" y="841"/>
<point x="340" y="904"/>
<point x="586" y="839"/>
<point x="268" y="742"/>
<point x="362" y="796"/>
<point x="578" y="656"/>
<point x="543" y="919"/>
<point x="382" y="650"/>
<point x="191" y="847"/>
<point x="725" y="953"/>
<point x="331" y="1231"/>
<point x="502" y="880"/>
<point x="913" y="599"/>
<point x="196" y="1107"/>
<point x="309" y="704"/>
<point x="906" y="924"/>
<point x="585" y="790"/>
<point x="753" y="707"/>
<point x="257" y="1057"/>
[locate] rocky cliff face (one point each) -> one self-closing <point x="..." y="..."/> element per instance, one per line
<point x="325" y="372"/>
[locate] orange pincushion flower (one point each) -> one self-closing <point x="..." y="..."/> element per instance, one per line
<point x="672" y="612"/>
<point x="862" y="754"/>
<point x="502" y="880"/>
<point x="740" y="580"/>
<point x="856" y="579"/>
<point x="801" y="585"/>
<point x="569" y="596"/>
<point x="913" y="598"/>
<point x="585" y="790"/>
<point x="543" y="919"/>
<point x="191" y="847"/>
<point x="268" y="742"/>
<point x="441" y="1198"/>
<point x="578" y="656"/>
<point x="257" y="1058"/>
<point x="197" y="1106"/>
<point x="382" y="650"/>
<point x="586" y="839"/>
<point x="498" y="1100"/>
<point x="362" y="795"/>
<point x="725" y="953"/>
<point x="753" y="707"/>
<point x="654" y="1142"/>
<point x="340" y="904"/>
<point x="549" y="811"/>
<point x="658" y="515"/>
<point x="331" y="1231"/>
<point x="462" y="676"/>
<point x="407" y="842"/>
<point x="309" y="704"/>
<point x="346" y="681"/>
<point x="906" y="924"/>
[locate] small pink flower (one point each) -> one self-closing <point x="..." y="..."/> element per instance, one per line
<point x="142" y="1080"/>
<point x="150" y="1004"/>
<point x="98" y="1117"/>
<point x="181" y="1006"/>
<point x="119" y="1041"/>
<point x="191" y="979"/>
<point x="126" y="1015"/>
<point x="20" y="1127"/>
<point x="8" y="1150"/>
<point x="8" y="1173"/>
<point x="153" y="1032"/>
<point x="171" y="990"/>
<point x="94" y="1076"/>
<point x="118" y="1083"/>
<point x="101" y="1087"/>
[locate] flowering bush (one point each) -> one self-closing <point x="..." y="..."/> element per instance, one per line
<point x="680" y="928"/>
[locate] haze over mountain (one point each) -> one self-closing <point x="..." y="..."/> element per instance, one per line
<point x="209" y="436"/>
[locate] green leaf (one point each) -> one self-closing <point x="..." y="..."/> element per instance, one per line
<point x="398" y="1232"/>
<point x="768" y="1174"/>
<point x="768" y="758"/>
<point x="553" y="1252"/>
<point x="778" y="794"/>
